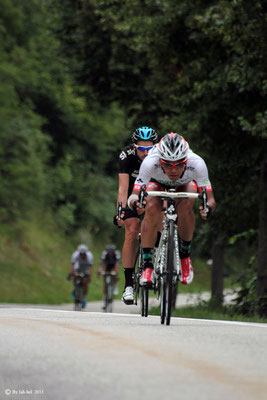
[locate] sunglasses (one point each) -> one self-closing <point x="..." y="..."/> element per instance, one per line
<point x="143" y="148"/>
<point x="166" y="164"/>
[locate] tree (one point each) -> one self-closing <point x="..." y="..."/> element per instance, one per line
<point x="199" y="68"/>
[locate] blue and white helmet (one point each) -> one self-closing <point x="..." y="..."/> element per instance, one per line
<point x="82" y="248"/>
<point x="144" y="133"/>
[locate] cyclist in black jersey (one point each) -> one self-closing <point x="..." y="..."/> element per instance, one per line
<point x="130" y="159"/>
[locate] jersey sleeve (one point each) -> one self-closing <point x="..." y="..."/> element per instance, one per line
<point x="202" y="175"/>
<point x="73" y="257"/>
<point x="118" y="255"/>
<point x="103" y="255"/>
<point x="90" y="258"/>
<point x="124" y="163"/>
<point x="145" y="174"/>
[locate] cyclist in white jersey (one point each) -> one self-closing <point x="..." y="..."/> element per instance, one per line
<point x="171" y="164"/>
<point x="82" y="261"/>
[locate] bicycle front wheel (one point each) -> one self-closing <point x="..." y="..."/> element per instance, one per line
<point x="109" y="297"/>
<point x="170" y="268"/>
<point x="78" y="298"/>
<point x="144" y="302"/>
<point x="163" y="300"/>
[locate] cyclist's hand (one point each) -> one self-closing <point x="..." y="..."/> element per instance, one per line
<point x="69" y="276"/>
<point x="138" y="209"/>
<point x="117" y="223"/>
<point x="205" y="214"/>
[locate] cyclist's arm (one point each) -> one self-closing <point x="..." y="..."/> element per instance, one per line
<point x="123" y="189"/>
<point x="116" y="267"/>
<point x="203" y="181"/>
<point x="90" y="270"/>
<point x="211" y="200"/>
<point x="101" y="267"/>
<point x="144" y="176"/>
<point x="90" y="260"/>
<point x="73" y="260"/>
<point x="71" y="268"/>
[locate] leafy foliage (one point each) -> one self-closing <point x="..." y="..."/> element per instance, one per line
<point x="76" y="74"/>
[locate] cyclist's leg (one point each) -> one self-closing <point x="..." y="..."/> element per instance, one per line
<point x="186" y="218"/>
<point x="152" y="220"/>
<point x="114" y="277"/>
<point x="85" y="289"/>
<point x="132" y="226"/>
<point x="185" y="212"/>
<point x="149" y="233"/>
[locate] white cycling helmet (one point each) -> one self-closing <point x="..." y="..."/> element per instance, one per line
<point x="172" y="147"/>
<point x="82" y="248"/>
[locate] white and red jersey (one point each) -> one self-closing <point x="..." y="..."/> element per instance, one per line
<point x="151" y="170"/>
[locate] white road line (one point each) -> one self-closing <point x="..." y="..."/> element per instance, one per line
<point x="86" y="314"/>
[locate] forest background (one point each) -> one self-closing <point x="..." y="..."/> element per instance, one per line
<point x="77" y="77"/>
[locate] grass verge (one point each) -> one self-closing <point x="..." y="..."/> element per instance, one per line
<point x="206" y="311"/>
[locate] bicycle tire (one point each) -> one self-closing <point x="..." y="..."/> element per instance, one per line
<point x="170" y="261"/>
<point x="144" y="301"/>
<point x="109" y="297"/>
<point x="163" y="300"/>
<point x="175" y="289"/>
<point x="136" y="278"/>
<point x="78" y="298"/>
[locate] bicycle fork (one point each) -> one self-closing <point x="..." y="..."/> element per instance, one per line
<point x="161" y="256"/>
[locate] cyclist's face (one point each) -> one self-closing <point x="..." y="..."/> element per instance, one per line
<point x="173" y="171"/>
<point x="142" y="153"/>
<point x="82" y="255"/>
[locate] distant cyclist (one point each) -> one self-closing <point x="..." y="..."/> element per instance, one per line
<point x="82" y="261"/>
<point x="171" y="164"/>
<point x="109" y="262"/>
<point x="130" y="159"/>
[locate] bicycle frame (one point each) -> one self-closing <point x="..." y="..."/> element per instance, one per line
<point x="137" y="287"/>
<point x="108" y="292"/>
<point x="167" y="264"/>
<point x="78" y="286"/>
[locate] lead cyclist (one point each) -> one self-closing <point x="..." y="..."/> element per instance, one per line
<point x="171" y="164"/>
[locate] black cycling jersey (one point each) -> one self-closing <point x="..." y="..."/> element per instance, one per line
<point x="129" y="163"/>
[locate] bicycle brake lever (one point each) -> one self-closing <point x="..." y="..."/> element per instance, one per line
<point x="142" y="194"/>
<point x="119" y="210"/>
<point x="204" y="199"/>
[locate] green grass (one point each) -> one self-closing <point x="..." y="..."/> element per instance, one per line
<point x="35" y="260"/>
<point x="205" y="311"/>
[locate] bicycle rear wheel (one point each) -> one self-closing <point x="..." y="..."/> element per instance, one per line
<point x="170" y="267"/>
<point x="144" y="301"/>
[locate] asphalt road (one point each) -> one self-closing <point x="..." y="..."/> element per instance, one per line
<point x="53" y="354"/>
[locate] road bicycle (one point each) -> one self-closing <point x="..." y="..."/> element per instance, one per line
<point x="78" y="290"/>
<point x="138" y="289"/>
<point x="138" y="266"/>
<point x="108" y="289"/>
<point x="167" y="265"/>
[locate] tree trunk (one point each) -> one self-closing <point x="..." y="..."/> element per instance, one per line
<point x="261" y="288"/>
<point x="217" y="272"/>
